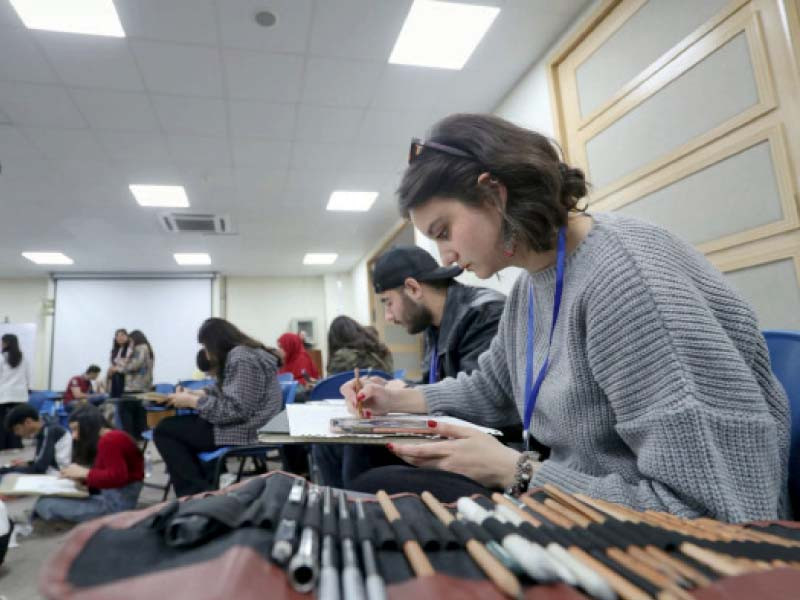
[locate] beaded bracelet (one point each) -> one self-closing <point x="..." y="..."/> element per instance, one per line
<point x="527" y="463"/>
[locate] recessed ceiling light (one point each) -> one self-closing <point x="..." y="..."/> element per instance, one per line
<point x="353" y="201"/>
<point x="192" y="258"/>
<point x="162" y="196"/>
<point x="90" y="17"/>
<point x="320" y="258"/>
<point x="48" y="258"/>
<point x="441" y="34"/>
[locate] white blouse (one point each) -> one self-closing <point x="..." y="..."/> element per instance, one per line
<point x="14" y="382"/>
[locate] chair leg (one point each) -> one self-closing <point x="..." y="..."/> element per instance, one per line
<point x="166" y="488"/>
<point x="242" y="462"/>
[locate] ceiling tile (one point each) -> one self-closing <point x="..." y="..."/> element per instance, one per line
<point x="365" y="29"/>
<point x="119" y="111"/>
<point x="257" y="75"/>
<point x="384" y="159"/>
<point x="22" y="60"/>
<point x="66" y="143"/>
<point x="407" y="87"/>
<point x="394" y="127"/>
<point x="290" y="33"/>
<point x="319" y="124"/>
<point x="14" y="143"/>
<point x="255" y="152"/>
<point x="193" y="116"/>
<point x="133" y="146"/>
<point x="330" y="82"/>
<point x="91" y="61"/>
<point x="39" y="106"/>
<point x="176" y="69"/>
<point x="318" y="157"/>
<point x="261" y="119"/>
<point x="186" y="21"/>
<point x="197" y="150"/>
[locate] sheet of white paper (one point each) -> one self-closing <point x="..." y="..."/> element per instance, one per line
<point x="313" y="419"/>
<point x="44" y="484"/>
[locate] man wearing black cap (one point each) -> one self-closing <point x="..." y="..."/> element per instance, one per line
<point x="459" y="321"/>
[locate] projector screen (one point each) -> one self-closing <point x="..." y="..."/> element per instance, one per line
<point x="88" y="311"/>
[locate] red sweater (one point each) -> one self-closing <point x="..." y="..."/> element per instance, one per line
<point x="118" y="463"/>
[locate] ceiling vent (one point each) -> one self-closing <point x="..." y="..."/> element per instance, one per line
<point x="196" y="223"/>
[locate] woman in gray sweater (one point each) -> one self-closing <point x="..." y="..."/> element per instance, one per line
<point x="621" y="348"/>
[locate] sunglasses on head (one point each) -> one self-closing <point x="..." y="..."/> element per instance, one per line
<point x="417" y="146"/>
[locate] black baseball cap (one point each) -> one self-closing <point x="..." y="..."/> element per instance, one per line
<point x="398" y="263"/>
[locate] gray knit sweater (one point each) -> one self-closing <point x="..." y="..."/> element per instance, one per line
<point x="659" y="393"/>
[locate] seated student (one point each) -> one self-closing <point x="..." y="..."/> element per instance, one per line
<point x="351" y="345"/>
<point x="623" y="349"/>
<point x="246" y="396"/>
<point x="107" y="461"/>
<point x="53" y="442"/>
<point x="81" y="387"/>
<point x="296" y="359"/>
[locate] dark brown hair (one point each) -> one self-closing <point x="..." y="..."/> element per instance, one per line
<point x="137" y="337"/>
<point x="90" y="421"/>
<point x="220" y="337"/>
<point x="345" y="332"/>
<point x="11" y="349"/>
<point x="115" y="346"/>
<point x="541" y="188"/>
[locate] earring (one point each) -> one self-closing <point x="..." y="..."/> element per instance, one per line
<point x="509" y="248"/>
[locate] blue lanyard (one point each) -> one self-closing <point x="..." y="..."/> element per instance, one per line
<point x="434" y="369"/>
<point x="532" y="391"/>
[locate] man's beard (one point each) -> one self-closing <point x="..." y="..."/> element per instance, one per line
<point x="417" y="317"/>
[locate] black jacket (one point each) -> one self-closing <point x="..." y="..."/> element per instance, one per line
<point x="470" y="320"/>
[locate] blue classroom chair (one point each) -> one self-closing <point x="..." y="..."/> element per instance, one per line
<point x="289" y="389"/>
<point x="329" y="387"/>
<point x="285" y="377"/>
<point x="784" y="355"/>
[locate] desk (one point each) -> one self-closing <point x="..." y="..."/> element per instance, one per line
<point x="276" y="431"/>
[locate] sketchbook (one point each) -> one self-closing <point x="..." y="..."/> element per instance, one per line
<point x="18" y="484"/>
<point x="313" y="420"/>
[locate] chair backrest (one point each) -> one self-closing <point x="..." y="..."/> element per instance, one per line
<point x="784" y="355"/>
<point x="285" y="377"/>
<point x="399" y="373"/>
<point x="328" y="388"/>
<point x="289" y="389"/>
<point x="164" y="388"/>
<point x="196" y="384"/>
<point x="44" y="401"/>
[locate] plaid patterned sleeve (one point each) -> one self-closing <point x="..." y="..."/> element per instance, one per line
<point x="242" y="389"/>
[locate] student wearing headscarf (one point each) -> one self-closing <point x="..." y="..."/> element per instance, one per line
<point x="296" y="359"/>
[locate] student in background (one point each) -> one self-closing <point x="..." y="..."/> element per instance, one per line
<point x="14" y="385"/>
<point x="138" y="369"/>
<point x="53" y="442"/>
<point x="121" y="350"/>
<point x="107" y="461"/>
<point x="351" y="345"/>
<point x="247" y="394"/>
<point x="80" y="387"/>
<point x="296" y="359"/>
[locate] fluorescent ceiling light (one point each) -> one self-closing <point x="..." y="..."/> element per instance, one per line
<point x="192" y="258"/>
<point x="441" y="34"/>
<point x="48" y="258"/>
<point x="323" y="258"/>
<point x="353" y="201"/>
<point x="90" y="17"/>
<point x="162" y="196"/>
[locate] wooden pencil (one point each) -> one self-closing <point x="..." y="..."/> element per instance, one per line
<point x="411" y="548"/>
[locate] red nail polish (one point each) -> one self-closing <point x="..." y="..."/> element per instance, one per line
<point x="360" y="397"/>
<point x="368" y="414"/>
<point x="432" y="423"/>
<point x="390" y="446"/>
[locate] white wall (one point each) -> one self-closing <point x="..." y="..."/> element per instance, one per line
<point x="23" y="301"/>
<point x="264" y="306"/>
<point x="339" y="300"/>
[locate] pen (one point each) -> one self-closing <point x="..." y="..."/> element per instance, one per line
<point x="283" y="545"/>
<point x="494" y="570"/>
<point x="357" y="388"/>
<point x="352" y="582"/>
<point x="304" y="566"/>
<point x="376" y="590"/>
<point x="328" y="577"/>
